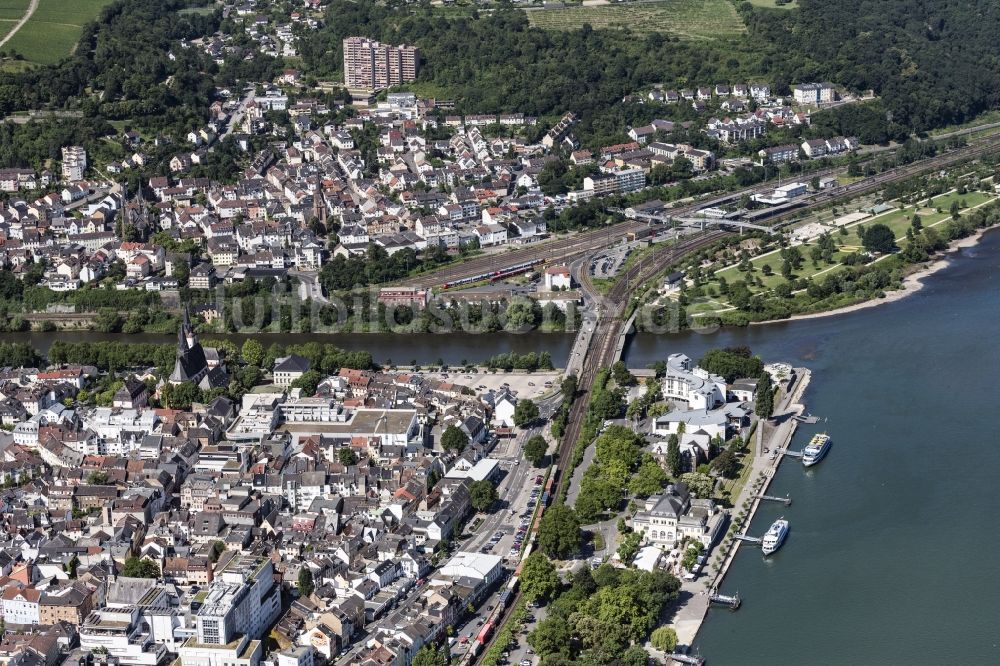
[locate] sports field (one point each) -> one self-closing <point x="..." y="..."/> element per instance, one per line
<point x="688" y="19"/>
<point x="53" y="30"/>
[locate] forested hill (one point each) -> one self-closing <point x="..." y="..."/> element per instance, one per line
<point x="933" y="61"/>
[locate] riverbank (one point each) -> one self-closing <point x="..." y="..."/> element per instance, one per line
<point x="776" y="434"/>
<point x="912" y="283"/>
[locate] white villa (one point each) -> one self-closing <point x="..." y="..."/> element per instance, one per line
<point x="669" y="518"/>
<point x="687" y="382"/>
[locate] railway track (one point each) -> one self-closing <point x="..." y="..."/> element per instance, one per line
<point x="601" y="346"/>
<point x="609" y="325"/>
<point x="577" y="245"/>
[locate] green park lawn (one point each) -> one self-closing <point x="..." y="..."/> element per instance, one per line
<point x="898" y="220"/>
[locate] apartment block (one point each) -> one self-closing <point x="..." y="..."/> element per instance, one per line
<point x="74" y="163"/>
<point x="371" y="65"/>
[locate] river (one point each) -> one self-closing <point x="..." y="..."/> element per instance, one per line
<point x="425" y="348"/>
<point x="893" y="542"/>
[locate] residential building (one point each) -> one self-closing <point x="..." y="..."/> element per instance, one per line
<point x="814" y="93"/>
<point x="289" y="368"/>
<point x="687" y="382"/>
<point x="667" y="519"/>
<point x="74" y="163"/>
<point x="370" y="65"/>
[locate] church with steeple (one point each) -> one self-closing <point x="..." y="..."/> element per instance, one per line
<point x="196" y="364"/>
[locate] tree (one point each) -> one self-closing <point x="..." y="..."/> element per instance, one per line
<point x="140" y="568"/>
<point x="726" y="465"/>
<point x="629" y="547"/>
<point x="308" y="382"/>
<point x="552" y="636"/>
<point x="621" y="375"/>
<point x="483" y="495"/>
<point x="664" y="639"/>
<point x="701" y="485"/>
<point x="454" y="439"/>
<point x="525" y="412"/>
<point x="431" y="655"/>
<point x="218" y="547"/>
<point x="539" y="579"/>
<point x="97" y="478"/>
<point x="674" y="461"/>
<point x="634" y="656"/>
<point x="181" y="396"/>
<point x="108" y="320"/>
<point x="346" y="456"/>
<point x="559" y="532"/>
<point x="305" y="581"/>
<point x="72" y="565"/>
<point x="252" y="352"/>
<point x="732" y="363"/>
<point x="535" y="449"/>
<point x="879" y="238"/>
<point x="649" y="479"/>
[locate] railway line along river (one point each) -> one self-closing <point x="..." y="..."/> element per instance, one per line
<point x="893" y="536"/>
<point x="893" y="540"/>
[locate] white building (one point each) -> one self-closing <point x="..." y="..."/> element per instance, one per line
<point x="667" y="519"/>
<point x="558" y="277"/>
<point x="74" y="163"/>
<point x="289" y="368"/>
<point x="240" y="605"/>
<point x="697" y="387"/>
<point x="485" y="569"/>
<point x="20" y="606"/>
<point x="124" y="634"/>
<point x="813" y="93"/>
<point x="296" y="656"/>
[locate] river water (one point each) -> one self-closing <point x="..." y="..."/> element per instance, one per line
<point x="892" y="553"/>
<point x="894" y="540"/>
<point x="425" y="348"/>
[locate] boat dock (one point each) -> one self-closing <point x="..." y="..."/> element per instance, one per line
<point x="806" y="418"/>
<point x="694" y="660"/>
<point x="788" y="452"/>
<point x="733" y="601"/>
<point x="787" y="501"/>
<point x="747" y="539"/>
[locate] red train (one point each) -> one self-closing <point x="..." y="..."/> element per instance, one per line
<point x="494" y="276"/>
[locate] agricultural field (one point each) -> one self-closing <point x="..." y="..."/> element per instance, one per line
<point x="53" y="30"/>
<point x="687" y="19"/>
<point x="772" y="4"/>
<point x="10" y="12"/>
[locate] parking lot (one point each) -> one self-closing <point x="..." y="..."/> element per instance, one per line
<point x="523" y="385"/>
<point x="508" y="537"/>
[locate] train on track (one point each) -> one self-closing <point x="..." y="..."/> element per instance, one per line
<point x="494" y="276"/>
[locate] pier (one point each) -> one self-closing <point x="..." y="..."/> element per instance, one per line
<point x="733" y="602"/>
<point x="787" y="501"/>
<point x="747" y="539"/>
<point x="788" y="452"/>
